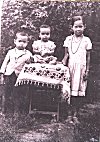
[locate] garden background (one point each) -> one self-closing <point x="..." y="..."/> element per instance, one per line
<point x="31" y="14"/>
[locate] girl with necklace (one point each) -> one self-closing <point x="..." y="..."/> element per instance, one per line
<point x="77" y="49"/>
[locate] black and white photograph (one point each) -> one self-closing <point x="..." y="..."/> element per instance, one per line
<point x="49" y="71"/>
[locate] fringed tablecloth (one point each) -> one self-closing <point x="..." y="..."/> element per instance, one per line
<point x="51" y="75"/>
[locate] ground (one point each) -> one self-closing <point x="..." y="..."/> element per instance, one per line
<point x="41" y="129"/>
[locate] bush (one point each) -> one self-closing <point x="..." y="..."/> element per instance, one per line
<point x="32" y="14"/>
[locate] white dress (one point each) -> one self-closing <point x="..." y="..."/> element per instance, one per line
<point x="77" y="63"/>
<point x="41" y="47"/>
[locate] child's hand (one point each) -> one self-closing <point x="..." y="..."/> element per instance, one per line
<point x="41" y="61"/>
<point x="53" y="62"/>
<point x="30" y="60"/>
<point x="47" y="59"/>
<point x="85" y="77"/>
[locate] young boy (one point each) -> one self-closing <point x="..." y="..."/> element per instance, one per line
<point x="44" y="48"/>
<point x="12" y="65"/>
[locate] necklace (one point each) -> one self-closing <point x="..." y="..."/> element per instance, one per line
<point x="76" y="42"/>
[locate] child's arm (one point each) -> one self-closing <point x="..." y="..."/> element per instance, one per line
<point x="53" y="62"/>
<point x="5" y="62"/>
<point x="2" y="79"/>
<point x="85" y="77"/>
<point x="3" y="68"/>
<point x="35" y="48"/>
<point x="36" y="51"/>
<point x="66" y="45"/>
<point x="30" y="59"/>
<point x="65" y="56"/>
<point x="87" y="60"/>
<point x="88" y="50"/>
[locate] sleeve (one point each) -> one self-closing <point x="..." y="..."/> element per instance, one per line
<point x="25" y="57"/>
<point x="52" y="47"/>
<point x="89" y="44"/>
<point x="5" y="62"/>
<point x="66" y="42"/>
<point x="35" y="46"/>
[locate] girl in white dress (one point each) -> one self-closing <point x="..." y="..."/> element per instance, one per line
<point x="44" y="48"/>
<point x="77" y="48"/>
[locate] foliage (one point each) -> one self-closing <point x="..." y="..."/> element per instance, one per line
<point x="32" y="14"/>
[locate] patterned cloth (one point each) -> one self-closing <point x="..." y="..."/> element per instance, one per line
<point x="51" y="75"/>
<point x="77" y="63"/>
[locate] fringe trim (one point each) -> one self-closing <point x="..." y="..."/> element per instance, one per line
<point x="30" y="82"/>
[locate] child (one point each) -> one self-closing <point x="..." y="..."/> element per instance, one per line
<point x="77" y="48"/>
<point x="44" y="48"/>
<point x="12" y="65"/>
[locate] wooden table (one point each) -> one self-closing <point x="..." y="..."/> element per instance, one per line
<point x="47" y="85"/>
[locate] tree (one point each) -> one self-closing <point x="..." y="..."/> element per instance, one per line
<point x="57" y="14"/>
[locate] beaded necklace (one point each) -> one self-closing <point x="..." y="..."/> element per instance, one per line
<point x="78" y="44"/>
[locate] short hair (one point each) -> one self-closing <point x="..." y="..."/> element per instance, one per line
<point x="44" y="26"/>
<point x="21" y="32"/>
<point x="76" y="18"/>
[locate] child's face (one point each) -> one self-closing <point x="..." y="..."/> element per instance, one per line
<point x="21" y="41"/>
<point x="44" y="34"/>
<point x="78" y="27"/>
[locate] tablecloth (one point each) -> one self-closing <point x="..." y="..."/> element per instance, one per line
<point x="51" y="75"/>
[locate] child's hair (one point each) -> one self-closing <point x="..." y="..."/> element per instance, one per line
<point x="21" y="32"/>
<point x="76" y="18"/>
<point x="44" y="26"/>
